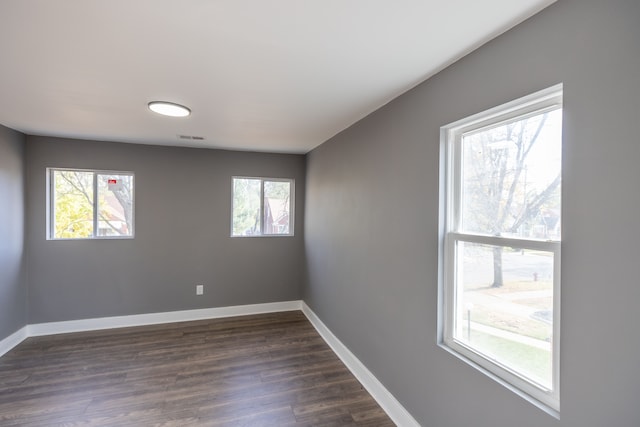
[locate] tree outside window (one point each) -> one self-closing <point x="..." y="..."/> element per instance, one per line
<point x="90" y="204"/>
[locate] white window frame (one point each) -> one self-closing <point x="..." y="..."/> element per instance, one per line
<point x="292" y="192"/>
<point x="451" y="200"/>
<point x="50" y="211"/>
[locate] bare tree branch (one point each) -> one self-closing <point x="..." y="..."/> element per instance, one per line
<point x="537" y="203"/>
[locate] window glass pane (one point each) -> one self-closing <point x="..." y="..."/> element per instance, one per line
<point x="511" y="178"/>
<point x="246" y="207"/>
<point x="504" y="307"/>
<point x="72" y="204"/>
<point x="276" y="207"/>
<point x="115" y="205"/>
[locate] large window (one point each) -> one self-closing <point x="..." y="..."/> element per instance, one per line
<point x="88" y="204"/>
<point x="262" y="207"/>
<point x="501" y="249"/>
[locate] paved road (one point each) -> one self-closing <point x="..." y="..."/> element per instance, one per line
<point x="478" y="266"/>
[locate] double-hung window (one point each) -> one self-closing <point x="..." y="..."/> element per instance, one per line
<point x="501" y="250"/>
<point x="89" y="204"/>
<point x="262" y="207"/>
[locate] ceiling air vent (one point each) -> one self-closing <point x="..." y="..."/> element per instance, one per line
<point x="191" y="137"/>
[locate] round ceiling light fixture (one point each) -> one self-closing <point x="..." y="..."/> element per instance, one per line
<point x="169" y="109"/>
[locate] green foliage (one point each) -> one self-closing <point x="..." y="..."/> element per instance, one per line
<point x="534" y="362"/>
<point x="246" y="206"/>
<point x="73" y="204"/>
<point x="277" y="189"/>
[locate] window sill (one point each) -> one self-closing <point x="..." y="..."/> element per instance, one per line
<point x="536" y="402"/>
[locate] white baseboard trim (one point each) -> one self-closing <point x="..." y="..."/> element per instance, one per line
<point x="385" y="399"/>
<point x="83" y="325"/>
<point x="13" y="340"/>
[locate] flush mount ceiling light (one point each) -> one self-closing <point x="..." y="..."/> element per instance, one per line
<point x="169" y="109"/>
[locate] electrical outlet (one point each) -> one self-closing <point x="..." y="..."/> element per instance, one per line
<point x="199" y="289"/>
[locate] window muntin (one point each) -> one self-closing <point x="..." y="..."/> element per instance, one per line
<point x="89" y="204"/>
<point x="262" y="207"/>
<point x="502" y="243"/>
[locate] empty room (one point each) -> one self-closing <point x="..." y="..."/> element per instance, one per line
<point x="320" y="213"/>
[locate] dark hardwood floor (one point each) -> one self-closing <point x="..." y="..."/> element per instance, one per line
<point x="262" y="370"/>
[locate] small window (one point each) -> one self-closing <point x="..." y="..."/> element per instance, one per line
<point x="262" y="207"/>
<point x="87" y="204"/>
<point x="501" y="249"/>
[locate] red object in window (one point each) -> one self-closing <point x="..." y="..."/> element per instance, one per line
<point x="112" y="181"/>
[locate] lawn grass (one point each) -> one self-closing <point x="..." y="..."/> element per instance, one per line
<point x="493" y="316"/>
<point x="535" y="363"/>
<point x="507" y="322"/>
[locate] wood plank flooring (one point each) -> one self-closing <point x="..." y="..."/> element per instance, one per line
<point x="262" y="370"/>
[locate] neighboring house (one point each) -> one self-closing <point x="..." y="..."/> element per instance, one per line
<point x="112" y="220"/>
<point x="276" y="216"/>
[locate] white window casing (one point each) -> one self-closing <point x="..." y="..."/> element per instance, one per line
<point x="100" y="215"/>
<point x="284" y="222"/>
<point x="545" y="396"/>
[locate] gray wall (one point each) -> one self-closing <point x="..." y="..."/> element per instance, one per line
<point x="182" y="226"/>
<point x="13" y="289"/>
<point x="372" y="223"/>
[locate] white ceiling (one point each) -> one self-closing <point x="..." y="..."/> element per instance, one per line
<point x="264" y="75"/>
